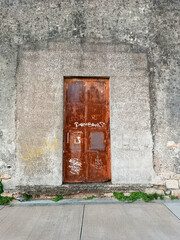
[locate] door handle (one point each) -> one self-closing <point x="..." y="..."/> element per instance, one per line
<point x="67" y="137"/>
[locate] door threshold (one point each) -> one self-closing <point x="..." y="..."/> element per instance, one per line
<point x="87" y="183"/>
<point x="74" y="188"/>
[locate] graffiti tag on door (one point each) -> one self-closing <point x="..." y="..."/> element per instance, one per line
<point x="75" y="166"/>
<point x="89" y="124"/>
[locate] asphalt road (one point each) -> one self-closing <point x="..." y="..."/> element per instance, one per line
<point x="130" y="221"/>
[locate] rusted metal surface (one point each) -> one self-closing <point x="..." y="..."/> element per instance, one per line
<point x="86" y="156"/>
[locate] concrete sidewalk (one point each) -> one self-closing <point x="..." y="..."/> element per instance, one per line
<point x="146" y="221"/>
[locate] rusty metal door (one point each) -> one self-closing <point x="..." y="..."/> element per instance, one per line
<point x="86" y="153"/>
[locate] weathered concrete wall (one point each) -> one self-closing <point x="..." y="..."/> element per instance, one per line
<point x="164" y="69"/>
<point x="40" y="110"/>
<point x="8" y="66"/>
<point x="34" y="50"/>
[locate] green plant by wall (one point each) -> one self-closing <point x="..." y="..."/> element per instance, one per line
<point x="5" y="200"/>
<point x="89" y="198"/>
<point x="57" y="198"/>
<point x="1" y="188"/>
<point x="172" y="197"/>
<point x="136" y="196"/>
<point x="27" y="197"/>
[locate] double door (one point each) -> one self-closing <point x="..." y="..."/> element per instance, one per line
<point x="86" y="142"/>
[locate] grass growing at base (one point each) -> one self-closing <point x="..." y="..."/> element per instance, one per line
<point x="172" y="197"/>
<point x="57" y="198"/>
<point x="1" y="188"/>
<point x="89" y="198"/>
<point x="5" y="200"/>
<point x="137" y="195"/>
<point x="27" y="197"/>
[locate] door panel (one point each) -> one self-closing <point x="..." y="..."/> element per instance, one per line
<point x="97" y="167"/>
<point x="97" y="141"/>
<point x="86" y="130"/>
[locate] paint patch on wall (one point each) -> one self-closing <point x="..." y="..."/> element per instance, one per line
<point x="172" y="144"/>
<point x="175" y="150"/>
<point x="30" y="154"/>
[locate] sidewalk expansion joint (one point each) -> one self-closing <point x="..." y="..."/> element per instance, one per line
<point x="82" y="222"/>
<point x="171" y="211"/>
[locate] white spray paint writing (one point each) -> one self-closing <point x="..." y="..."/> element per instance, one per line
<point x="89" y="124"/>
<point x="98" y="163"/>
<point x="75" y="166"/>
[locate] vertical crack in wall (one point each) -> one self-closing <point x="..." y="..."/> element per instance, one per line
<point x="152" y="102"/>
<point x="15" y="77"/>
<point x="152" y="85"/>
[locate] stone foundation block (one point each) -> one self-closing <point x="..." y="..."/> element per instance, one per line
<point x="6" y="194"/>
<point x="153" y="190"/>
<point x="168" y="192"/>
<point x="172" y="184"/>
<point x="108" y="195"/>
